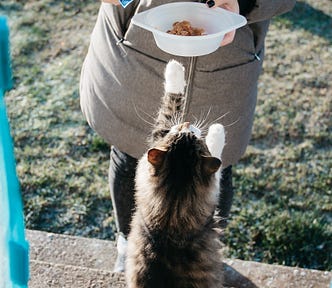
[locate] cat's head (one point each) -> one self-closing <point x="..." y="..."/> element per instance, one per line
<point x="182" y="156"/>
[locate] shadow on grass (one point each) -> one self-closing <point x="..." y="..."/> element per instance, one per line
<point x="315" y="21"/>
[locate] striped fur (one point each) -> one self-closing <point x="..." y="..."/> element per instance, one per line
<point x="172" y="103"/>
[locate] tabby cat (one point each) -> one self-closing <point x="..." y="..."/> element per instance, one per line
<point x="172" y="242"/>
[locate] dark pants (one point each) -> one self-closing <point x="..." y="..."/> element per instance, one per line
<point x="122" y="179"/>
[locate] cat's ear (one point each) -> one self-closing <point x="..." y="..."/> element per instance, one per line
<point x="156" y="156"/>
<point x="211" y="164"/>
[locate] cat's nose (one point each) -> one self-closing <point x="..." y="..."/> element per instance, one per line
<point x="186" y="125"/>
<point x="184" y="128"/>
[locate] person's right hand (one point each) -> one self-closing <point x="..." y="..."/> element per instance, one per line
<point x="230" y="5"/>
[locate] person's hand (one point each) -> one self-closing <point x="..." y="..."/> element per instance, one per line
<point x="114" y="2"/>
<point x="230" y="5"/>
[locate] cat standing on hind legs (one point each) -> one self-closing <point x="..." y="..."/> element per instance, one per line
<point x="172" y="242"/>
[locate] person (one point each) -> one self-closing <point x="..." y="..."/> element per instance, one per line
<point x="122" y="83"/>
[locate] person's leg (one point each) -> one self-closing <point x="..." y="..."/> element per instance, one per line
<point x="226" y="196"/>
<point x="122" y="184"/>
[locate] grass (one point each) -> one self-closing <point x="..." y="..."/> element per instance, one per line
<point x="282" y="209"/>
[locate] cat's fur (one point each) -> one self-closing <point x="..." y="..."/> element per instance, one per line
<point x="172" y="242"/>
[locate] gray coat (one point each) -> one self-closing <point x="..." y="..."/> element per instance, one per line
<point x="122" y="78"/>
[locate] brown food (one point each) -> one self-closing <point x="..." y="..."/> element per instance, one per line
<point x="184" y="28"/>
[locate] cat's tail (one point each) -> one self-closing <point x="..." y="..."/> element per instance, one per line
<point x="175" y="78"/>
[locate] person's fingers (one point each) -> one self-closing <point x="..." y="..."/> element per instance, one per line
<point x="114" y="2"/>
<point x="228" y="38"/>
<point x="230" y="5"/>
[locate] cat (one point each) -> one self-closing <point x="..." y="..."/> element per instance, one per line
<point x="172" y="242"/>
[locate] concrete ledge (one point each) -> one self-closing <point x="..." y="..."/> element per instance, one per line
<point x="44" y="274"/>
<point x="68" y="261"/>
<point x="248" y="274"/>
<point x="70" y="250"/>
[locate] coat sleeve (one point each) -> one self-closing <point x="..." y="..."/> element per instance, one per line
<point x="266" y="9"/>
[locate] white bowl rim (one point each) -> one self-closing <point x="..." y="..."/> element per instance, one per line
<point x="136" y="20"/>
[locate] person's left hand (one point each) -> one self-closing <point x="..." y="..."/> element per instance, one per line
<point x="230" y="5"/>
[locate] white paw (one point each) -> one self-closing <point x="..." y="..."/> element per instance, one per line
<point x="174" y="77"/>
<point x="215" y="140"/>
<point x="120" y="262"/>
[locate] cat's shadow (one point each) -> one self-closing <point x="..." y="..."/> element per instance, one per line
<point x="233" y="278"/>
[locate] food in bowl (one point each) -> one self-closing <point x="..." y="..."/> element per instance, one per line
<point x="184" y="28"/>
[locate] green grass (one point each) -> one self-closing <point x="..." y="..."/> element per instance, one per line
<point x="282" y="209"/>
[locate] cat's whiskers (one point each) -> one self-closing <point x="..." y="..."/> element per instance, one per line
<point x="200" y="122"/>
<point x="206" y="125"/>
<point x="141" y="117"/>
<point x="233" y="123"/>
<point x="219" y="118"/>
<point x="176" y="119"/>
<point x="204" y="119"/>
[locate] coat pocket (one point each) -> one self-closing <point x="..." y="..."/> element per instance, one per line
<point x="240" y="51"/>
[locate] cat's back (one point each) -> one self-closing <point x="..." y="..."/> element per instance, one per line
<point x="156" y="260"/>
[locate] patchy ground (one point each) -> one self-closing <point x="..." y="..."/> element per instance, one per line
<point x="283" y="207"/>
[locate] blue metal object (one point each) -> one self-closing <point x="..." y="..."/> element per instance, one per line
<point x="14" y="249"/>
<point x="124" y="3"/>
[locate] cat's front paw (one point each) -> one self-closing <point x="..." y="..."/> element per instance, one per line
<point x="174" y="77"/>
<point x="215" y="139"/>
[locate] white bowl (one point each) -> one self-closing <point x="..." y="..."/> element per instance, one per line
<point x="216" y="22"/>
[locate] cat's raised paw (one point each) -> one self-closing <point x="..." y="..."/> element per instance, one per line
<point x="174" y="77"/>
<point x="215" y="139"/>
